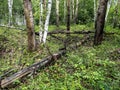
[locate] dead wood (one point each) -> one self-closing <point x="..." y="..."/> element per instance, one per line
<point x="36" y="66"/>
<point x="44" y="62"/>
<point x="67" y="32"/>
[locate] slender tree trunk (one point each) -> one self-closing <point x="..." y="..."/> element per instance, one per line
<point x="30" y="25"/>
<point x="76" y="11"/>
<point x="47" y="21"/>
<point x="64" y="11"/>
<point x="116" y="14"/>
<point x="41" y="20"/>
<point x="68" y="15"/>
<point x="95" y="10"/>
<point x="115" y="17"/>
<point x="57" y="13"/>
<point x="44" y="4"/>
<point x="10" y="4"/>
<point x="73" y="9"/>
<point x="100" y="21"/>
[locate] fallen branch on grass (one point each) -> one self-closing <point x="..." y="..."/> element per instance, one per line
<point x="44" y="62"/>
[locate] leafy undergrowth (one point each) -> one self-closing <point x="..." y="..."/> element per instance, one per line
<point x="87" y="68"/>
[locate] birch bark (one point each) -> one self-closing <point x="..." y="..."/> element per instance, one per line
<point x="10" y="4"/>
<point x="47" y="21"/>
<point x="41" y="19"/>
<point x="108" y="9"/>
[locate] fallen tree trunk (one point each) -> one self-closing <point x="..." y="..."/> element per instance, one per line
<point x="67" y="32"/>
<point x="44" y="62"/>
<point x="73" y="32"/>
<point x="12" y="27"/>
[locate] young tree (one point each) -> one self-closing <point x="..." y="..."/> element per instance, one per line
<point x="95" y="10"/>
<point x="30" y="25"/>
<point x="10" y="4"/>
<point x="57" y="13"/>
<point x="100" y="21"/>
<point x="76" y="11"/>
<point x="64" y="19"/>
<point x="73" y="9"/>
<point x="108" y="9"/>
<point x="41" y="21"/>
<point x="116" y="14"/>
<point x="47" y="20"/>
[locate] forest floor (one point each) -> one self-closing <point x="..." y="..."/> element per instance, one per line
<point x="86" y="68"/>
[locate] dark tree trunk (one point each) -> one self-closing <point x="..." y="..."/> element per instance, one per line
<point x="100" y="22"/>
<point x="68" y="15"/>
<point x="30" y="25"/>
<point x="115" y="18"/>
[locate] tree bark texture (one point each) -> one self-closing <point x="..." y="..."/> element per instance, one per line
<point x="57" y="13"/>
<point x="76" y="11"/>
<point x="10" y="5"/>
<point x="47" y="21"/>
<point x="41" y="20"/>
<point x="108" y="9"/>
<point x="30" y="25"/>
<point x="64" y="20"/>
<point x="100" y="22"/>
<point x="68" y="15"/>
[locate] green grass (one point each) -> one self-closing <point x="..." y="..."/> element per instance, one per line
<point x="87" y="68"/>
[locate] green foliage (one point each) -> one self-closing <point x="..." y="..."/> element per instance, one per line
<point x="85" y="13"/>
<point x="87" y="68"/>
<point x="114" y="16"/>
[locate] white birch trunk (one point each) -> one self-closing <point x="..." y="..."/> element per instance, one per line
<point x="108" y="9"/>
<point x="10" y="4"/>
<point x="47" y="21"/>
<point x="41" y="23"/>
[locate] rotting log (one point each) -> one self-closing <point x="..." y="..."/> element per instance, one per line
<point x="36" y="66"/>
<point x="44" y="62"/>
<point x="67" y="32"/>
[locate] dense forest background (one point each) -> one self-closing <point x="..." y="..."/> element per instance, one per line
<point x="59" y="44"/>
<point x="85" y="12"/>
